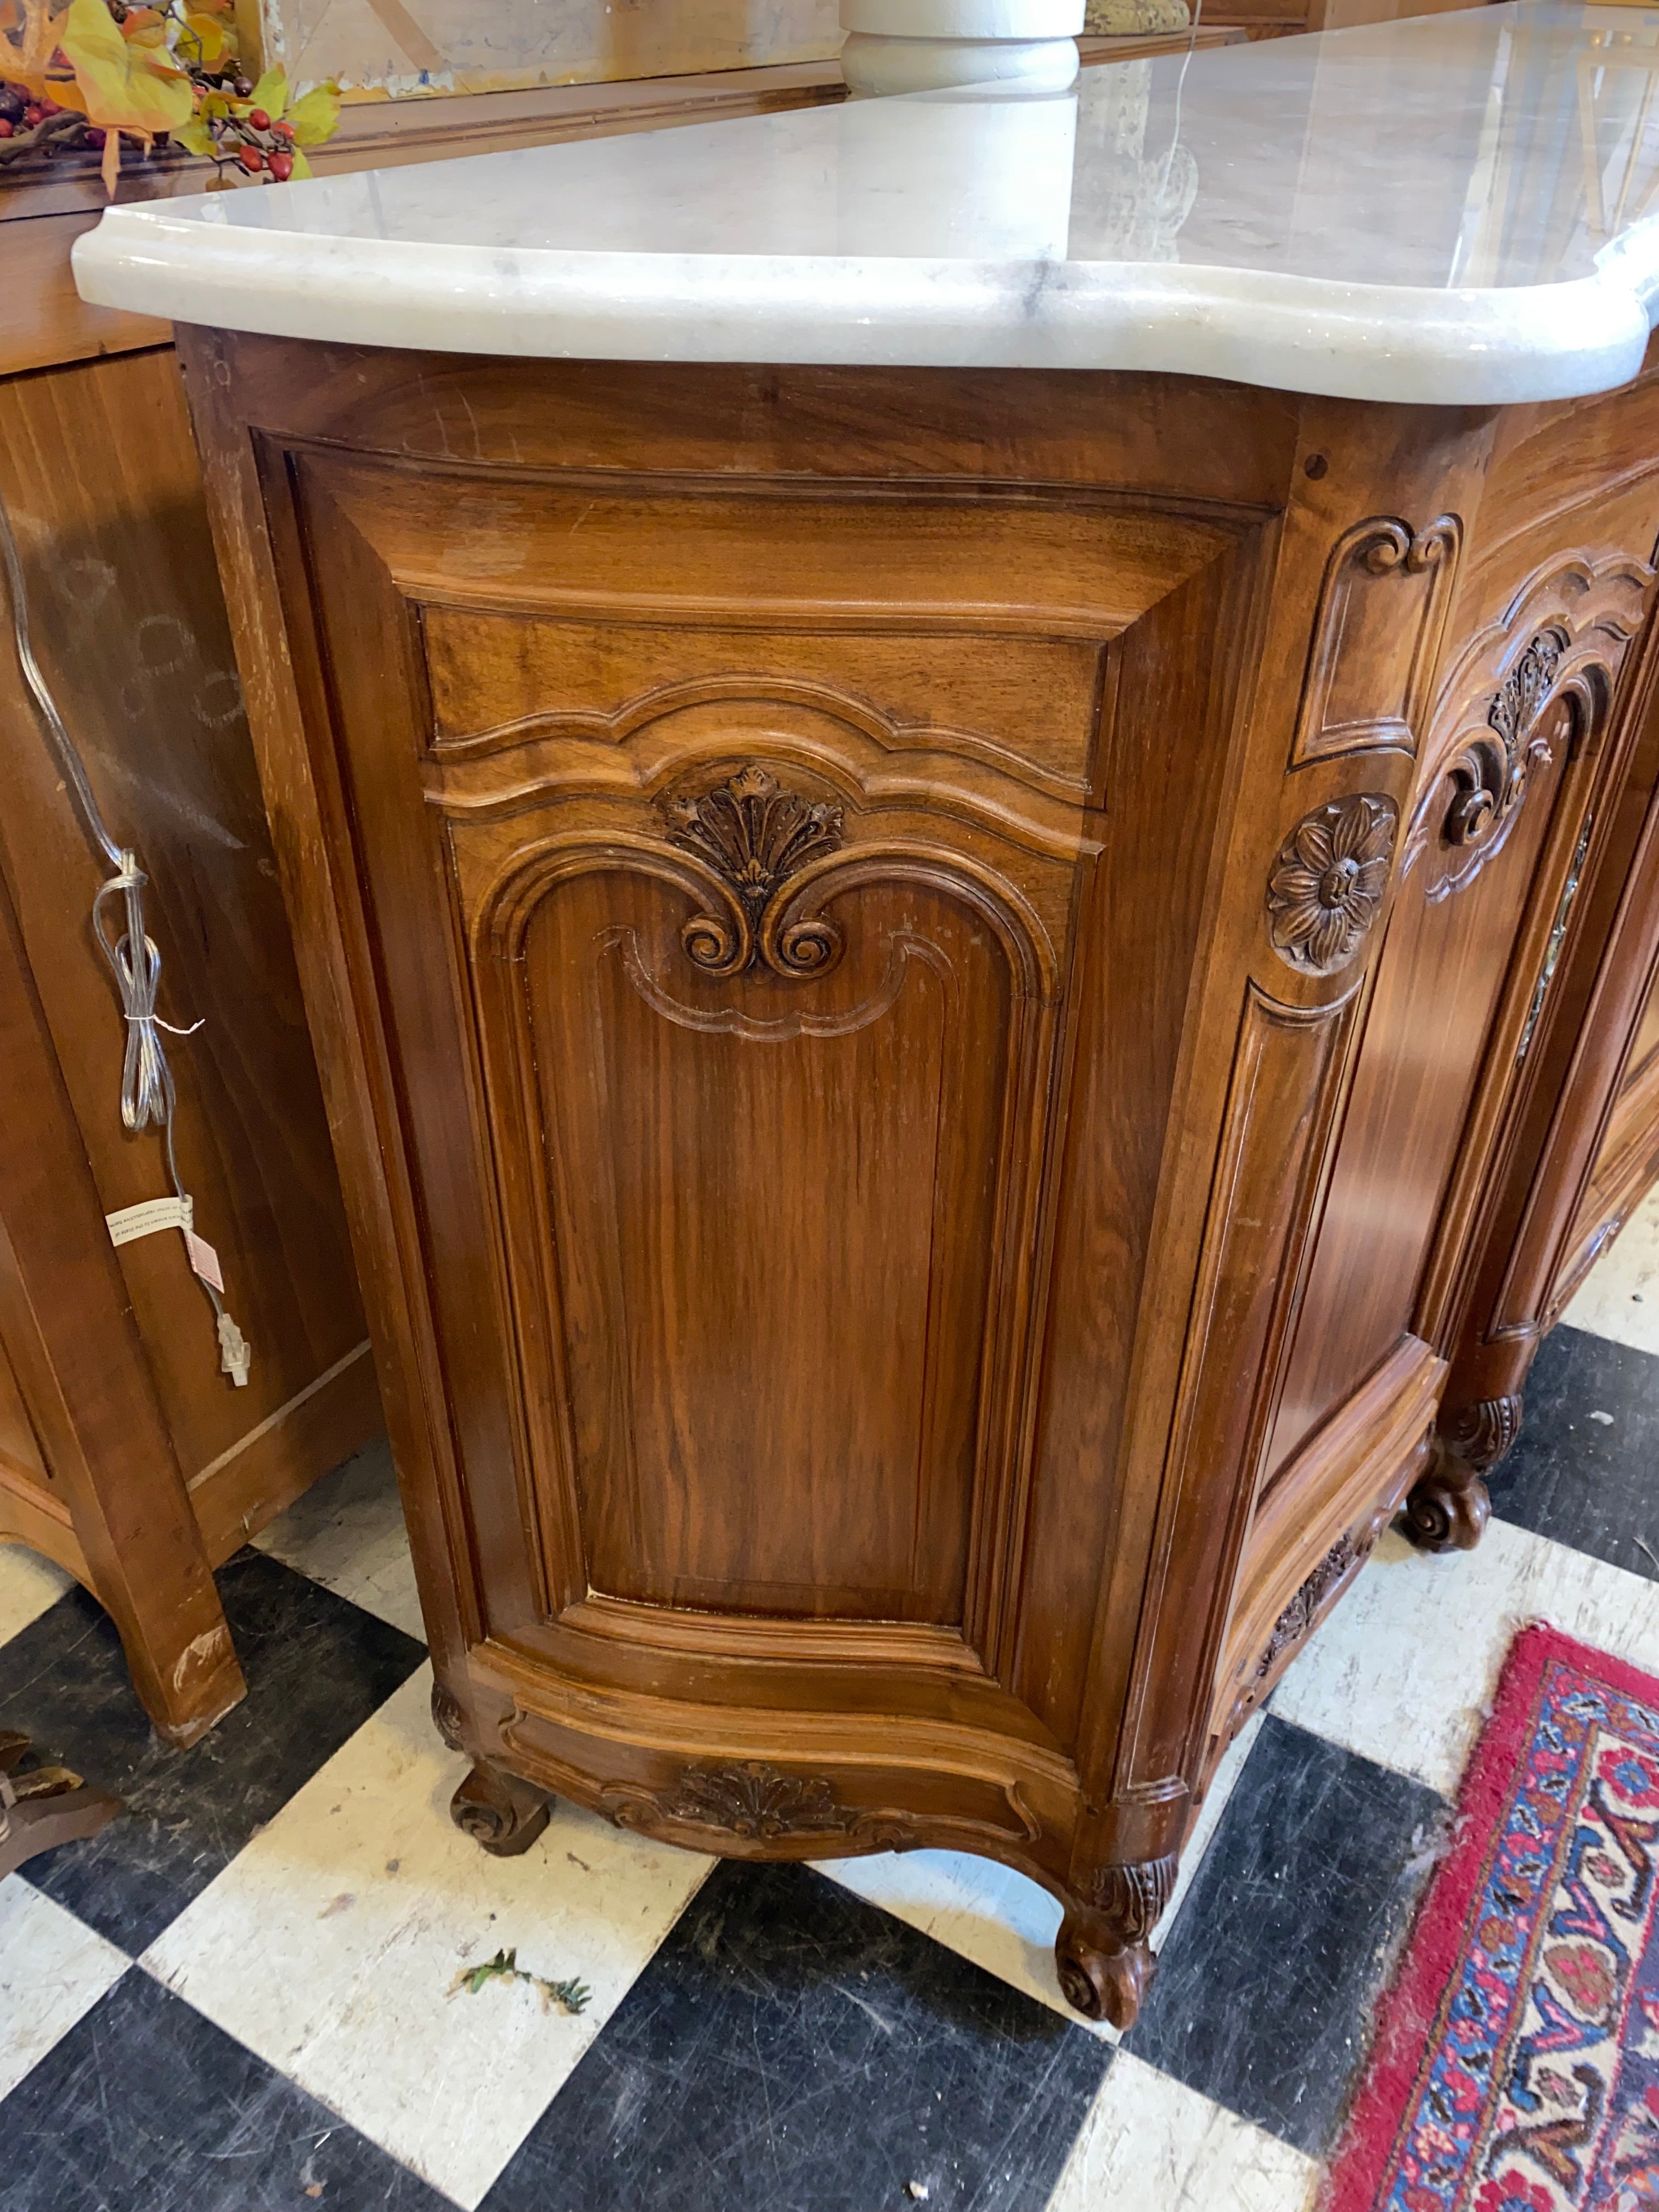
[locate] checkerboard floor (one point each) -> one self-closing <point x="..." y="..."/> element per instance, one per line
<point x="239" y="1998"/>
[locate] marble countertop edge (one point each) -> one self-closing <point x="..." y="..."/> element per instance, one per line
<point x="1427" y="345"/>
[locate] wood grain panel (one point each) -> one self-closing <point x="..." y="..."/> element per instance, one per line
<point x="754" y="1425"/>
<point x="1207" y="445"/>
<point x="20" y="1447"/>
<point x="1282" y="1094"/>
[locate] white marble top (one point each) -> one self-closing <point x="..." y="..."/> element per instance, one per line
<point x="1456" y="208"/>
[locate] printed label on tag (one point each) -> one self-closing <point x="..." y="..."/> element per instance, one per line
<point x="135" y="1221"/>
<point x="204" y="1259"/>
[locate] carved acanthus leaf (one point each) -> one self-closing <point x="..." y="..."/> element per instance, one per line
<point x="755" y="1802"/>
<point x="1132" y="1894"/>
<point x="754" y="836"/>
<point x="1304" y="1609"/>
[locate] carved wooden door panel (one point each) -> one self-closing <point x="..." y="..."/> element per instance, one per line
<point x="1506" y="798"/>
<point x="719" y="858"/>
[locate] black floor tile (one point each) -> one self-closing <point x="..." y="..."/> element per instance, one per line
<point x="317" y="1667"/>
<point x="1592" y="1483"/>
<point x="147" y="2107"/>
<point x="1264" y="1990"/>
<point x="793" y="2049"/>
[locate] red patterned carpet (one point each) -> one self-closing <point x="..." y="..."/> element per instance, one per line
<point x="1516" y="2063"/>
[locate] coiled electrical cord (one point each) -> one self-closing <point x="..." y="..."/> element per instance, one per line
<point x="148" y="1096"/>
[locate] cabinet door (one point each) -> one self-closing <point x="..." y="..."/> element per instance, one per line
<point x="718" y="845"/>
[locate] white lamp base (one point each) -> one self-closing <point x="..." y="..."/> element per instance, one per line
<point x="925" y="45"/>
<point x="873" y="64"/>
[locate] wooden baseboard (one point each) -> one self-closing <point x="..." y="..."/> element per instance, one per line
<point x="237" y="1494"/>
<point x="31" y="1515"/>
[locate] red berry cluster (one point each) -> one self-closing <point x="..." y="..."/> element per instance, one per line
<point x="265" y="145"/>
<point x="31" y="124"/>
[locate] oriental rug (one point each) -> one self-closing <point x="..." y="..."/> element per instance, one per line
<point x="1517" y="2061"/>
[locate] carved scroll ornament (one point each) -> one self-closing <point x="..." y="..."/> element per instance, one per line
<point x="754" y="837"/>
<point x="447" y="1717"/>
<point x="1490" y="776"/>
<point x="1327" y="882"/>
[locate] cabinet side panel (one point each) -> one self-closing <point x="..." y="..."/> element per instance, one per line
<point x="1140" y="930"/>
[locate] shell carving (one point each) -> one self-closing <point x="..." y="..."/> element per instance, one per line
<point x="754" y="837"/>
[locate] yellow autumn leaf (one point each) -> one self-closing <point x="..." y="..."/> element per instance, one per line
<point x="128" y="84"/>
<point x="195" y="137"/>
<point x="56" y="82"/>
<point x="270" y="92"/>
<point x="317" y="116"/>
<point x="207" y="34"/>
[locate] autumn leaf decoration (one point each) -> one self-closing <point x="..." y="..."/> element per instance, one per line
<point x="264" y="130"/>
<point x="126" y="76"/>
<point x="86" y="76"/>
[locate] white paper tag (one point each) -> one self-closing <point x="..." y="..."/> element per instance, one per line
<point x="143" y="1220"/>
<point x="204" y="1259"/>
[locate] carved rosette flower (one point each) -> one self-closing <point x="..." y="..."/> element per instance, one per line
<point x="754" y="836"/>
<point x="1327" y="882"/>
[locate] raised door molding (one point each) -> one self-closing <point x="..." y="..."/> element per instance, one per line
<point x="1383" y="606"/>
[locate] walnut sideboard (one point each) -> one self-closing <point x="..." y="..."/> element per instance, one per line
<point x="930" y="878"/>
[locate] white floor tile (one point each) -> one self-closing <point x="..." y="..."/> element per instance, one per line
<point x="1150" y="2144"/>
<point x="53" y="1969"/>
<point x="1404" y="1670"/>
<point x="347" y="1533"/>
<point x="1619" y="1296"/>
<point x="28" y="1584"/>
<point x="331" y="1944"/>
<point x="1002" y="1920"/>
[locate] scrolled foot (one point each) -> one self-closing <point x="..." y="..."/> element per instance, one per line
<point x="1447" y="1509"/>
<point x="499" y="1811"/>
<point x="448" y="1717"/>
<point x="1102" y="1984"/>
